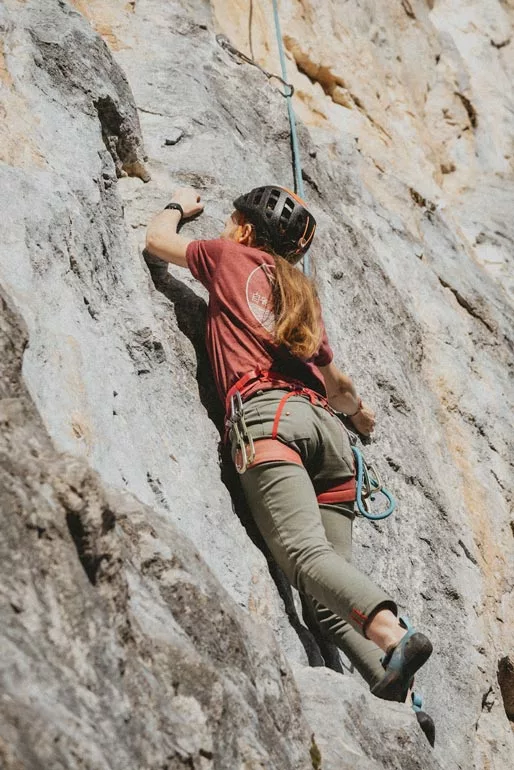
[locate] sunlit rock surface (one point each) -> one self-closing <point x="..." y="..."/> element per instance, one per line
<point x="122" y="649"/>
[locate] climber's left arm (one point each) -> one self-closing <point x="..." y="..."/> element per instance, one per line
<point x="162" y="239"/>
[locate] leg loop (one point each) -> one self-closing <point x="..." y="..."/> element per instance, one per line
<point x="266" y="450"/>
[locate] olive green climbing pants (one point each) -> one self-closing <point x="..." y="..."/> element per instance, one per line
<point x="312" y="542"/>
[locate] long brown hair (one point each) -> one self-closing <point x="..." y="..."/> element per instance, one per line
<point x="297" y="310"/>
<point x="295" y="303"/>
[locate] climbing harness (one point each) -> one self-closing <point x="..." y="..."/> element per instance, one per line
<point x="225" y="43"/>
<point x="363" y="487"/>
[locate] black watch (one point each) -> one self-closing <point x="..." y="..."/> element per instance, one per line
<point x="176" y="206"/>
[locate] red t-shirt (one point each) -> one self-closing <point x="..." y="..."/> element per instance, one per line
<point x="240" y="318"/>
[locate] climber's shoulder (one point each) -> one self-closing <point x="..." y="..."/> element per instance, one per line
<point x="229" y="260"/>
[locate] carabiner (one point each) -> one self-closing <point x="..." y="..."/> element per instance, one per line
<point x="243" y="439"/>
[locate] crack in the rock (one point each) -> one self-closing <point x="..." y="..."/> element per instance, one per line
<point x="464" y="303"/>
<point x="151" y="112"/>
<point x="310" y="181"/>
<point x="407" y="7"/>
<point x="505" y="676"/>
<point x="421" y="201"/>
<point x="488" y="699"/>
<point x="501" y="44"/>
<point x="472" y="113"/>
<point x="468" y="552"/>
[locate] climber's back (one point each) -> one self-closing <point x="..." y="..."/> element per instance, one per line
<point x="242" y="315"/>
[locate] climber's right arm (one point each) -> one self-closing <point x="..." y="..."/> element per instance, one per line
<point x="162" y="239"/>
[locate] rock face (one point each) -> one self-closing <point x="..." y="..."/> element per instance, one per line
<point x="120" y="648"/>
<point x="142" y="625"/>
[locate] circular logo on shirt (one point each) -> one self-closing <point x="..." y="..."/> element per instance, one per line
<point x="259" y="297"/>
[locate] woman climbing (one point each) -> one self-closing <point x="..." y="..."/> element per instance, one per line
<point x="273" y="368"/>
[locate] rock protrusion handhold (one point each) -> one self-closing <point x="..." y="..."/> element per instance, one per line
<point x="80" y="65"/>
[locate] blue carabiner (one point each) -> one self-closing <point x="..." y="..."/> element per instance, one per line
<point x="359" y="462"/>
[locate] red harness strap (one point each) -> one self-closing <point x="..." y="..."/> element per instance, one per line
<point x="270" y="450"/>
<point x="247" y="379"/>
<point x="342" y="493"/>
<point x="268" y="379"/>
<point x="278" y="413"/>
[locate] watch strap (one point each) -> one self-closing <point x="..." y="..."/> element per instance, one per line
<point x="176" y="206"/>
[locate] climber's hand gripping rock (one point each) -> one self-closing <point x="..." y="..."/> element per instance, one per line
<point x="364" y="420"/>
<point x="189" y="199"/>
<point x="343" y="397"/>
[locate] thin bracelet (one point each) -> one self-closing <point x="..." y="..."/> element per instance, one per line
<point x="358" y="408"/>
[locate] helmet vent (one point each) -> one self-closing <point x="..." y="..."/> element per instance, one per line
<point x="273" y="199"/>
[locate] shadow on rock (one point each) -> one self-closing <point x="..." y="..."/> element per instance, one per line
<point x="191" y="315"/>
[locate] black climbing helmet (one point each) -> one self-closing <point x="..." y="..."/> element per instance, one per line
<point x="280" y="218"/>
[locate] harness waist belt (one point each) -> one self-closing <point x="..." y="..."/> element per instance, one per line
<point x="268" y="380"/>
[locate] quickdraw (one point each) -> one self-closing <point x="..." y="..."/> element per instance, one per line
<point x="244" y="441"/>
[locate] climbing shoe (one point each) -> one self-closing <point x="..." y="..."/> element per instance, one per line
<point x="401" y="663"/>
<point x="425" y="721"/>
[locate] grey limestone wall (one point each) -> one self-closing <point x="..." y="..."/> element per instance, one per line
<point x="142" y="625"/>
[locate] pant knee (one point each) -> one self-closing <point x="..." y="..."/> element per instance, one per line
<point x="311" y="563"/>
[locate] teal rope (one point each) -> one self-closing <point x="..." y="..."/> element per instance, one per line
<point x="359" y="462"/>
<point x="292" y="121"/>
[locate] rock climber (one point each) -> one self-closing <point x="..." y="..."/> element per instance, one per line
<point x="274" y="370"/>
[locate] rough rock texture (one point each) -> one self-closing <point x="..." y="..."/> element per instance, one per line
<point x="356" y="732"/>
<point x="119" y="647"/>
<point x="122" y="649"/>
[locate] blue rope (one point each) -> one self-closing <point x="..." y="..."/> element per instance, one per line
<point x="359" y="462"/>
<point x="292" y="121"/>
<point x="306" y="267"/>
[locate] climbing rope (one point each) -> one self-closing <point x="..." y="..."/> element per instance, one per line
<point x="369" y="486"/>
<point x="292" y="122"/>
<point x="225" y="43"/>
<point x="250" y="25"/>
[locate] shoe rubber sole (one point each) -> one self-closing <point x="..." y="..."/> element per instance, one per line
<point x="426" y="723"/>
<point x="407" y="657"/>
